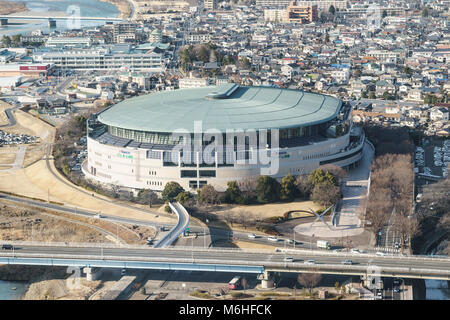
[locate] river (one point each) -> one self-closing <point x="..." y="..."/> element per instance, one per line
<point x="87" y="8"/>
<point x="12" y="290"/>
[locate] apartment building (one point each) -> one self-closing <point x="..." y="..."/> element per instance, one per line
<point x="301" y="14"/>
<point x="101" y="59"/>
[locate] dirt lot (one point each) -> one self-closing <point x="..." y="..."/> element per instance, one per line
<point x="268" y="210"/>
<point x="27" y="224"/>
<point x="8" y="155"/>
<point x="37" y="181"/>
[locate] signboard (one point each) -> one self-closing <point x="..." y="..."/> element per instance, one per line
<point x="32" y="68"/>
<point x="125" y="154"/>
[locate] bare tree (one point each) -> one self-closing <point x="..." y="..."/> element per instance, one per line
<point x="379" y="208"/>
<point x="304" y="185"/>
<point x="406" y="227"/>
<point x="248" y="186"/>
<point x="208" y="195"/>
<point x="309" y="280"/>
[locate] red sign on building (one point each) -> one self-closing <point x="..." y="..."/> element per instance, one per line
<point x="33" y="68"/>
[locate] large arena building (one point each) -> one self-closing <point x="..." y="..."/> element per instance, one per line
<point x="136" y="143"/>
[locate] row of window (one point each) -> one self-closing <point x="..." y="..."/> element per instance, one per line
<point x="200" y="173"/>
<point x="316" y="156"/>
<point x="154" y="183"/>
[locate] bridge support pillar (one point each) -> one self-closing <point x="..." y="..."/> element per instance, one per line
<point x="372" y="282"/>
<point x="3" y="22"/>
<point x="92" y="274"/>
<point x="267" y="280"/>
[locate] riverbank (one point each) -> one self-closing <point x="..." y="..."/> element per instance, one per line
<point x="123" y="6"/>
<point x="9" y="7"/>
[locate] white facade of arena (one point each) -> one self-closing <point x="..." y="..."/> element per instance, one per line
<point x="130" y="167"/>
<point x="115" y="158"/>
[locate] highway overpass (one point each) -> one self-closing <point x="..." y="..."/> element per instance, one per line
<point x="178" y="229"/>
<point x="231" y="260"/>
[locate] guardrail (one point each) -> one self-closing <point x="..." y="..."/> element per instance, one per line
<point x="178" y="229"/>
<point x="280" y="250"/>
<point x="139" y="262"/>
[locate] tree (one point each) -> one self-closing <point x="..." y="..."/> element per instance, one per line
<point x="304" y="186"/>
<point x="407" y="227"/>
<point x="267" y="189"/>
<point x="326" y="194"/>
<point x="378" y="210"/>
<point x="203" y="54"/>
<point x="233" y="193"/>
<point x="288" y="189"/>
<point x="309" y="280"/>
<point x="384" y="14"/>
<point x="386" y="95"/>
<point x="147" y="196"/>
<point x="6" y="41"/>
<point x="208" y="195"/>
<point x="320" y="176"/>
<point x="372" y="95"/>
<point x="332" y="10"/>
<point x="248" y="189"/>
<point x="15" y="40"/>
<point x="171" y="191"/>
<point x="185" y="198"/>
<point x="337" y="171"/>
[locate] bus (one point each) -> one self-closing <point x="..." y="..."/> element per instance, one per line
<point x="235" y="283"/>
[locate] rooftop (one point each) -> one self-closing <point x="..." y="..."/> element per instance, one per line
<point x="222" y="107"/>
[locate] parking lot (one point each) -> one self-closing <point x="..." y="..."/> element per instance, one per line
<point x="432" y="159"/>
<point x="7" y="138"/>
<point x="78" y="156"/>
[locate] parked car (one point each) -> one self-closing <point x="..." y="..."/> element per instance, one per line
<point x="7" y="247"/>
<point x="381" y="254"/>
<point x="123" y="272"/>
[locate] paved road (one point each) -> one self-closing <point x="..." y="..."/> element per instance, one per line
<point x="218" y="234"/>
<point x="269" y="259"/>
<point x="10" y="115"/>
<point x="178" y="229"/>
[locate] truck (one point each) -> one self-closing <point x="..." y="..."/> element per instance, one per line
<point x="323" y="244"/>
<point x="235" y="283"/>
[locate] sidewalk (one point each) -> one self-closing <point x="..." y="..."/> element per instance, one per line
<point x="355" y="189"/>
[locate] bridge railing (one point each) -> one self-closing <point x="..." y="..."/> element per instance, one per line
<point x="88" y="260"/>
<point x="279" y="250"/>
